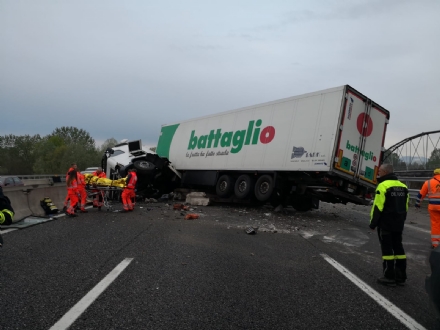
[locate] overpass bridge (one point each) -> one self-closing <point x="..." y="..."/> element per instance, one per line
<point x="415" y="154"/>
<point x="414" y="159"/>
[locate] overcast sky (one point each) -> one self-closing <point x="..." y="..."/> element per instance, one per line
<point x="123" y="68"/>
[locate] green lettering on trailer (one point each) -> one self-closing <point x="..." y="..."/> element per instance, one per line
<point x="232" y="139"/>
<point x="165" y="139"/>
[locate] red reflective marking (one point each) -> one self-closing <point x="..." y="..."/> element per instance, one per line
<point x="267" y="134"/>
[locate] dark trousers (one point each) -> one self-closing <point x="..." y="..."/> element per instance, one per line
<point x="393" y="255"/>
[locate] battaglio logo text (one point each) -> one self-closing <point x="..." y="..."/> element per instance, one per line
<point x="216" y="138"/>
<point x="368" y="155"/>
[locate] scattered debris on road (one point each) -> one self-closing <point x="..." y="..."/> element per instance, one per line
<point x="251" y="231"/>
<point x="191" y="216"/>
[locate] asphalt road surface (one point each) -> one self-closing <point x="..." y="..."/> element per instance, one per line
<point x="151" y="269"/>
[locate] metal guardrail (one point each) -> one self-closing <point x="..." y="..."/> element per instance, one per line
<point x="54" y="177"/>
<point x="413" y="192"/>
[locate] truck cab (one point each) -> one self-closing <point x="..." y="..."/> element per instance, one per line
<point x="156" y="175"/>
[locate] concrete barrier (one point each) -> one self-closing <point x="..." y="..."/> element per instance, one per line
<point x="19" y="201"/>
<point x="38" y="182"/>
<point x="26" y="200"/>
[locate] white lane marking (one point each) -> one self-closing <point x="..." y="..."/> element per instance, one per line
<point x="67" y="320"/>
<point x="381" y="300"/>
<point x="7" y="230"/>
<point x="419" y="229"/>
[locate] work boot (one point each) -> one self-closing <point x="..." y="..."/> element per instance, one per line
<point x="64" y="208"/>
<point x="400" y="277"/>
<point x="386" y="281"/>
<point x="71" y="215"/>
<point x="84" y="211"/>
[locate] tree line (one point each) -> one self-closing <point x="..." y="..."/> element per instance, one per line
<point x="50" y="154"/>
<point x="416" y="163"/>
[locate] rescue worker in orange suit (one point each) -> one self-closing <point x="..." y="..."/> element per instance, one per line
<point x="6" y="212"/>
<point x="431" y="188"/>
<point x="82" y="193"/>
<point x="388" y="214"/>
<point x="66" y="201"/>
<point x="129" y="192"/>
<point x="99" y="195"/>
<point x="72" y="192"/>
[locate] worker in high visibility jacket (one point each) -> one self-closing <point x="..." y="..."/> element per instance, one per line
<point x="129" y="192"/>
<point x="98" y="198"/>
<point x="72" y="192"/>
<point x="6" y="212"/>
<point x="388" y="214"/>
<point x="73" y="166"/>
<point x="82" y="193"/>
<point x="431" y="189"/>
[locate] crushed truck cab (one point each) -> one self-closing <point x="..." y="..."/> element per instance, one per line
<point x="156" y="175"/>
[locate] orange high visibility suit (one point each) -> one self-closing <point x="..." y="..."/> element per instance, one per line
<point x="129" y="192"/>
<point x="431" y="189"/>
<point x="72" y="193"/>
<point x="66" y="200"/>
<point x="98" y="199"/>
<point x="82" y="191"/>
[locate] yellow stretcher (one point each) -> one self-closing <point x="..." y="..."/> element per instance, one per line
<point x="109" y="189"/>
<point x="92" y="180"/>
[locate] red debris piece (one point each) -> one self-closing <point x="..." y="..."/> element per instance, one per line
<point x="191" y="216"/>
<point x="180" y="207"/>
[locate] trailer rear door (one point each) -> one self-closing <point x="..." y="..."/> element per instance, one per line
<point x="361" y="137"/>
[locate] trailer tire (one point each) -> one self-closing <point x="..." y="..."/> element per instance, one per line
<point x="264" y="188"/>
<point x="224" y="186"/>
<point x="144" y="167"/>
<point x="244" y="186"/>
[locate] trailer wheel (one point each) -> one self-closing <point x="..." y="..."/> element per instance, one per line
<point x="264" y="188"/>
<point x="243" y="186"/>
<point x="224" y="186"/>
<point x="144" y="166"/>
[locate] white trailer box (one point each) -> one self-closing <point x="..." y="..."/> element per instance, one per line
<point x="337" y="133"/>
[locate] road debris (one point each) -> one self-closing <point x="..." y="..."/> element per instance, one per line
<point x="181" y="207"/>
<point x="191" y="216"/>
<point x="197" y="198"/>
<point x="250" y="231"/>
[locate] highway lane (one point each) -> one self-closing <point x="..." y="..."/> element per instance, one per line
<point x="207" y="273"/>
<point x="357" y="247"/>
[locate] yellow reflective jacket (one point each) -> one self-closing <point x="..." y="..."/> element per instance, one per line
<point x="390" y="204"/>
<point x="6" y="211"/>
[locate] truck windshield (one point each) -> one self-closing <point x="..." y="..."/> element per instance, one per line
<point x="116" y="153"/>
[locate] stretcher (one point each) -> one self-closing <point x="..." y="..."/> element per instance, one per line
<point x="108" y="194"/>
<point x="109" y="189"/>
